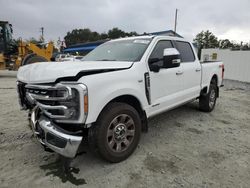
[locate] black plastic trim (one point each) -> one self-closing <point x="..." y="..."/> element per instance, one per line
<point x="147" y="86"/>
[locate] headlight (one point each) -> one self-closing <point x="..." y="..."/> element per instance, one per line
<point x="73" y="104"/>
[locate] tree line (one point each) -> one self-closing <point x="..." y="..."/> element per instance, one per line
<point x="86" y="35"/>
<point x="204" y="39"/>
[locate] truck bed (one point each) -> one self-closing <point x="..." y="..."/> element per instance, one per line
<point x="209" y="69"/>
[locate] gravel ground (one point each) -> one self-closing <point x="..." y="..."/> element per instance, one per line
<point x="183" y="148"/>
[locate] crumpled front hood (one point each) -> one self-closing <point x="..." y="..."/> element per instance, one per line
<point x="46" y="72"/>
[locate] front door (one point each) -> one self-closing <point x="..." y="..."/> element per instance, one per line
<point x="165" y="85"/>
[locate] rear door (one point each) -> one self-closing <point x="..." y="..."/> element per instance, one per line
<point x="191" y="70"/>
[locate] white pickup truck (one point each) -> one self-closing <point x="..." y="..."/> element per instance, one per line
<point x="111" y="93"/>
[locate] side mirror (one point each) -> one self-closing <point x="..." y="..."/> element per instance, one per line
<point x="153" y="60"/>
<point x="154" y="67"/>
<point x="176" y="61"/>
<point x="171" y="58"/>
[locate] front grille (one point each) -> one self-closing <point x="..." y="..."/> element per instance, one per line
<point x="62" y="103"/>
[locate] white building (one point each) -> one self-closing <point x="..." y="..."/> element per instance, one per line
<point x="237" y="63"/>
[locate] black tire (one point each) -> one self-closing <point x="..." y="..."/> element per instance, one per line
<point x="207" y="102"/>
<point x="32" y="58"/>
<point x="25" y="59"/>
<point x="115" y="124"/>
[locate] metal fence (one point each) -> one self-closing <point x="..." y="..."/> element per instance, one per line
<point x="237" y="63"/>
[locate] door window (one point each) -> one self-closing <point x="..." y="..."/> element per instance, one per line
<point x="186" y="52"/>
<point x="158" y="51"/>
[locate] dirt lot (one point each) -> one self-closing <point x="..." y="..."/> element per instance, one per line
<point x="183" y="148"/>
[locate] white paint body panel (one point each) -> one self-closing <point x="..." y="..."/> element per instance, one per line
<point x="102" y="88"/>
<point x="46" y="72"/>
<point x="168" y="90"/>
<point x="210" y="69"/>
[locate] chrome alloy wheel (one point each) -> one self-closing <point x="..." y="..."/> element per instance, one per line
<point x="212" y="98"/>
<point x="121" y="132"/>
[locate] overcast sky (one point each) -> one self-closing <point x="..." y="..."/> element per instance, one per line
<point x="225" y="18"/>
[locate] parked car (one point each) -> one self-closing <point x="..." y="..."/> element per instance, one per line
<point x="54" y="55"/>
<point x="113" y="91"/>
<point x="78" y="57"/>
<point x="69" y="58"/>
<point x="60" y="57"/>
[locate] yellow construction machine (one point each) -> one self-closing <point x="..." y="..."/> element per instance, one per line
<point x="15" y="54"/>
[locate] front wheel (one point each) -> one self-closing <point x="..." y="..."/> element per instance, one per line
<point x="117" y="132"/>
<point x="207" y="102"/>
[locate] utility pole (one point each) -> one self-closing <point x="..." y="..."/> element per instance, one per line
<point x="42" y="37"/>
<point x="175" y="21"/>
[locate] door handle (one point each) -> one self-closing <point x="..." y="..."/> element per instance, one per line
<point x="198" y="70"/>
<point x="179" y="73"/>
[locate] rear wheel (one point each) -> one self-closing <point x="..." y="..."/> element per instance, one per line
<point x="32" y="58"/>
<point x="207" y="102"/>
<point x="117" y="132"/>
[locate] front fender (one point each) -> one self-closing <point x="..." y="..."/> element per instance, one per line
<point x="97" y="103"/>
<point x="103" y="88"/>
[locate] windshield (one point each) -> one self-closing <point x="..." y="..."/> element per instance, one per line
<point x="122" y="50"/>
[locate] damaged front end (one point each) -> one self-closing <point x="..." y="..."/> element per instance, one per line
<point x="58" y="113"/>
